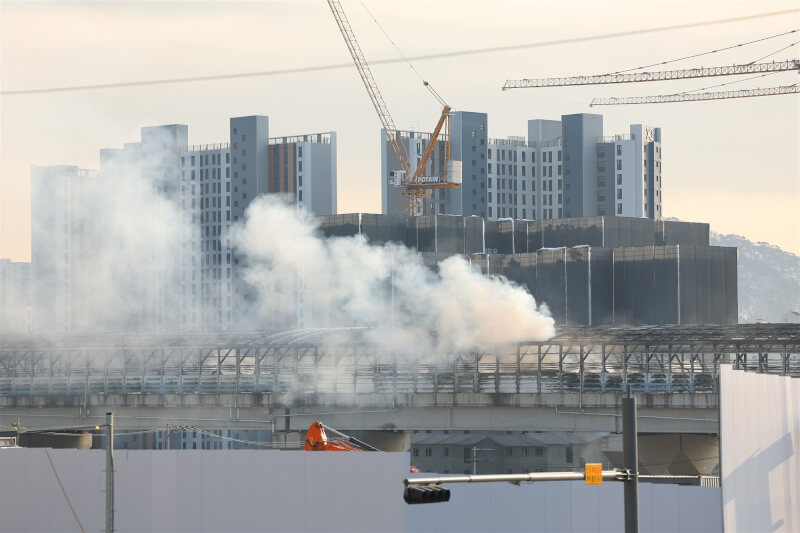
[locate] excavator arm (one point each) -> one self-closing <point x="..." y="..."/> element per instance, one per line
<point x="317" y="440"/>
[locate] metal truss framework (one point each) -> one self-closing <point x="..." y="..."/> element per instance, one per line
<point x="661" y="75"/>
<point x="697" y="97"/>
<point x="654" y="359"/>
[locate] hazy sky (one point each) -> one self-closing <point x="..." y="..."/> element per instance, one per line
<point x="732" y="163"/>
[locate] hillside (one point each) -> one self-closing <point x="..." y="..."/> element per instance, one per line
<point x="769" y="279"/>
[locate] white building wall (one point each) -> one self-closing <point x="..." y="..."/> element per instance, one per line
<point x="288" y="491"/>
<point x="15" y="297"/>
<point x="760" y="450"/>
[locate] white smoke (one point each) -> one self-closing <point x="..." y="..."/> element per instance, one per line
<point x="346" y="282"/>
<point x="121" y="258"/>
<point x="111" y="261"/>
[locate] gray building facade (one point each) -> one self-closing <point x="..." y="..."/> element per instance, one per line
<point x="564" y="169"/>
<point x="197" y="285"/>
<point x="16" y="297"/>
<point x="590" y="271"/>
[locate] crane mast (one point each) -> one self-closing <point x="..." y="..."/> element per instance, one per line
<point x="414" y="184"/>
<point x="369" y="83"/>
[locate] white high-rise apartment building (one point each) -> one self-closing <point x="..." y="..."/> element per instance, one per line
<point x="629" y="173"/>
<point x="59" y="246"/>
<point x="217" y="184"/>
<point x="562" y="169"/>
<point x="15" y="297"/>
<point x="525" y="179"/>
<point x="197" y="286"/>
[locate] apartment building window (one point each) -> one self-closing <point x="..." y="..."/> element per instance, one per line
<point x="509" y="451"/>
<point x="490" y="209"/>
<point x="428" y="452"/>
<point x="446" y="452"/>
<point x="525" y="451"/>
<point x="619" y="164"/>
<point x="559" y="170"/>
<point x="619" y="209"/>
<point x="619" y="194"/>
<point x="619" y="179"/>
<point x="490" y="168"/>
<point x="523" y="157"/>
<point x="560" y="184"/>
<point x="299" y="196"/>
<point x="489" y="181"/>
<point x="416" y="452"/>
<point x="490" y="153"/>
<point x="619" y="149"/>
<point x="569" y="457"/>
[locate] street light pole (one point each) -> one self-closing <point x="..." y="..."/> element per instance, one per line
<point x="109" y="473"/>
<point x="630" y="452"/>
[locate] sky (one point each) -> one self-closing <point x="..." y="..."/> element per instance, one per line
<point x="732" y="163"/>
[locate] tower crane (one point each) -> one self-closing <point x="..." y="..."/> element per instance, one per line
<point x="689" y="97"/>
<point x="669" y="75"/>
<point x="415" y="185"/>
<point x="661" y="75"/>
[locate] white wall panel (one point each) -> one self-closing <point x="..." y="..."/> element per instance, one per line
<point x="760" y="451"/>
<point x="568" y="506"/>
<point x="252" y="490"/>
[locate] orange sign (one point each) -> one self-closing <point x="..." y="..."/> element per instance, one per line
<point x="594" y="474"/>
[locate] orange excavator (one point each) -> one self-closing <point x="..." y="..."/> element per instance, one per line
<point x="322" y="438"/>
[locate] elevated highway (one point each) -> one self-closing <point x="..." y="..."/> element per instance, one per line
<point x="571" y="382"/>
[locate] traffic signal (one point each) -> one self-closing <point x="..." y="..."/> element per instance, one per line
<point x="426" y="494"/>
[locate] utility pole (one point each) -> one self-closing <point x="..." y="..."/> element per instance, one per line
<point x="630" y="452"/>
<point x="109" y="473"/>
<point x="474" y="458"/>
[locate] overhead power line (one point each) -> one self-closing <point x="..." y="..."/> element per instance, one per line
<point x="64" y="492"/>
<point x="708" y="52"/>
<point x="775" y="52"/>
<point x="694" y="97"/>
<point x="728" y="83"/>
<point x="661" y="75"/>
<point x="427" y="57"/>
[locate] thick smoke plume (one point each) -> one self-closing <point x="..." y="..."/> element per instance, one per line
<point x="346" y="282"/>
<point x="121" y="252"/>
